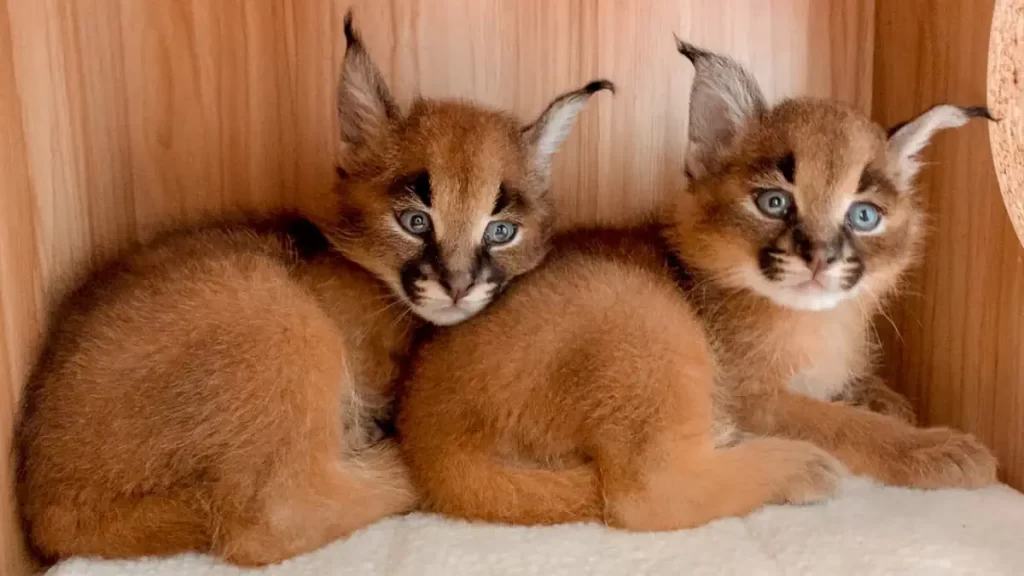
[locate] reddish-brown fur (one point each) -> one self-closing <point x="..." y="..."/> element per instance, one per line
<point x="586" y="393"/>
<point x="216" y="389"/>
<point x="593" y="391"/>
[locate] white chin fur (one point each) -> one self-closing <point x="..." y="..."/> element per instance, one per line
<point x="796" y="298"/>
<point x="442" y="316"/>
<point x="437" y="307"/>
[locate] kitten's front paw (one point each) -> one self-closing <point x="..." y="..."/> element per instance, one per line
<point x="944" y="458"/>
<point x="891" y="403"/>
<point x="807" y="474"/>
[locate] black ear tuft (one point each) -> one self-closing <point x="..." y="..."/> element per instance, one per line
<point x="547" y="133"/>
<point x="598" y="85"/>
<point x="365" y="106"/>
<point x="908" y="139"/>
<point x="692" y="53"/>
<point x="979" y="112"/>
<point x="351" y="36"/>
<point x="969" y="111"/>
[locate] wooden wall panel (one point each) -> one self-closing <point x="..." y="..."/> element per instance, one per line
<point x="960" y="351"/>
<point x="20" y="289"/>
<point x="119" y="117"/>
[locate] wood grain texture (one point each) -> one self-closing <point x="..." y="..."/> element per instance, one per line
<point x="960" y="351"/>
<point x="120" y="117"/>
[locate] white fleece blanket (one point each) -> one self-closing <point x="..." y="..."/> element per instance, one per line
<point x="868" y="530"/>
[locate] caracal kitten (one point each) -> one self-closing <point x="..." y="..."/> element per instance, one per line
<point x="215" y="390"/>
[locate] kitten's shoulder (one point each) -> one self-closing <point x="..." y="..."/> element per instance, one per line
<point x="175" y="253"/>
<point x="642" y="245"/>
<point x="638" y="244"/>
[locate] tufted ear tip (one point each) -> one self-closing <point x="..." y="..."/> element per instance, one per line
<point x="723" y="98"/>
<point x="692" y="52"/>
<point x="547" y="132"/>
<point x="365" y="105"/>
<point x="351" y="36"/>
<point x="979" y="112"/>
<point x="908" y="139"/>
<point x="599" y="85"/>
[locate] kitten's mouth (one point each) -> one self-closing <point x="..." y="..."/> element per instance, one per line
<point x="812" y="285"/>
<point x="818" y="292"/>
<point x="445" y="314"/>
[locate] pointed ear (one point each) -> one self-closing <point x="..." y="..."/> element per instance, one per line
<point x="365" y="106"/>
<point x="724" y="97"/>
<point x="547" y="133"/>
<point x="906" y="140"/>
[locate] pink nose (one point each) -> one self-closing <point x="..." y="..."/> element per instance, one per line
<point x="820" y="258"/>
<point x="458" y="285"/>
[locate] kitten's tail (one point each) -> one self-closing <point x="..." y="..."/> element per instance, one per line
<point x="481" y="487"/>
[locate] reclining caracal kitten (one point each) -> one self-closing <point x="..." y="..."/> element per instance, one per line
<point x="793" y="244"/>
<point x="211" y="390"/>
<point x="620" y="380"/>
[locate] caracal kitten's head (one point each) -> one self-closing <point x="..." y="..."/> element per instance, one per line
<point x="445" y="202"/>
<point x="807" y="203"/>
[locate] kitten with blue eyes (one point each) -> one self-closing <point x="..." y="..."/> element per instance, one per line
<point x="799" y="221"/>
<point x="217" y="389"/>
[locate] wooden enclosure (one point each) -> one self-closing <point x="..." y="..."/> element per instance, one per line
<point x="119" y="117"/>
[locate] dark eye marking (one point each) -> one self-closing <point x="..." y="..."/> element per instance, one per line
<point x="501" y="202"/>
<point x="416" y="183"/>
<point x="508" y="198"/>
<point x="411" y="271"/>
<point x="770" y="166"/>
<point x="871" y="179"/>
<point x="787" y="166"/>
<point x="421" y="187"/>
<point x="867" y="180"/>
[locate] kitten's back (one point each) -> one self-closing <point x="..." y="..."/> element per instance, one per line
<point x="182" y="336"/>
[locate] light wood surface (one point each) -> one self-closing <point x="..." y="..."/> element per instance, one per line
<point x="960" y="351"/>
<point x="118" y="117"/>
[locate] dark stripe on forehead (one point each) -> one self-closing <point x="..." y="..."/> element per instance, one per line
<point x="783" y="165"/>
<point x="867" y="180"/>
<point x="508" y="198"/>
<point x="787" y="166"/>
<point x="871" y="179"/>
<point x="415" y="184"/>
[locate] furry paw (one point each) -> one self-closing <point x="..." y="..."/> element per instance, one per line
<point x="888" y="402"/>
<point x="944" y="458"/>
<point x="806" y="473"/>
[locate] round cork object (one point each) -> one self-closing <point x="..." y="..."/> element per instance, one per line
<point x="1006" y="99"/>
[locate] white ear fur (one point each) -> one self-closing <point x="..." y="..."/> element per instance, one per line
<point x="551" y="128"/>
<point x="365" y="105"/>
<point x="908" y="139"/>
<point x="724" y="97"/>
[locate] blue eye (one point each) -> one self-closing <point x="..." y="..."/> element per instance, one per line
<point x="774" y="203"/>
<point x="863" y="217"/>
<point x="415" y="221"/>
<point x="500" y="232"/>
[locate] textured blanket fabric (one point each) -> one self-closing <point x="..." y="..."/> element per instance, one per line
<point x="868" y="530"/>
